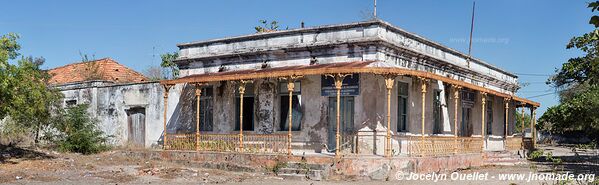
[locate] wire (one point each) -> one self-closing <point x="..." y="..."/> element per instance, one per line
<point x="541" y="95"/>
<point x="535" y="91"/>
<point x="528" y="74"/>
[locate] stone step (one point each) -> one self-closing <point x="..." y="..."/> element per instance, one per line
<point x="513" y="163"/>
<point x="497" y="154"/>
<point x="308" y="174"/>
<point x="504" y="159"/>
<point x="306" y="166"/>
<point x="293" y="176"/>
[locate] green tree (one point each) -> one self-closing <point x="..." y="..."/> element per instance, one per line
<point x="518" y="125"/>
<point x="24" y="94"/>
<point x="268" y="27"/>
<point x="577" y="82"/>
<point x="168" y="61"/>
<point x="77" y="131"/>
<point x="32" y="102"/>
<point x="8" y="51"/>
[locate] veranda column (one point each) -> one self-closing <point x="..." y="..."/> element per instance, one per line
<point x="290" y="87"/>
<point x="241" y="92"/>
<point x="507" y="110"/>
<point x="423" y="94"/>
<point x="338" y="84"/>
<point x="456" y="97"/>
<point x="483" y="112"/>
<point x="389" y="81"/>
<point x="533" y="129"/>
<point x="166" y="89"/>
<point x="522" y="124"/>
<point x="198" y="95"/>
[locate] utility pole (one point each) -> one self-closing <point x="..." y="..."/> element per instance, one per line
<point x="471" y="30"/>
<point x="374" y="9"/>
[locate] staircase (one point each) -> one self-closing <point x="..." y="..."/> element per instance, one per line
<point x="502" y="158"/>
<point x="302" y="171"/>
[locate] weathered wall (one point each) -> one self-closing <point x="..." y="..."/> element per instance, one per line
<point x="109" y="103"/>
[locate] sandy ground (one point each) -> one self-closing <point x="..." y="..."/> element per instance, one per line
<point x="22" y="166"/>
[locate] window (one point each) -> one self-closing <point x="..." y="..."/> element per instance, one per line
<point x="248" y="109"/>
<point x="206" y="104"/>
<point x="466" y="122"/>
<point x="70" y="103"/>
<point x="296" y="109"/>
<point x="437" y="116"/>
<point x="489" y="117"/>
<point x="402" y="107"/>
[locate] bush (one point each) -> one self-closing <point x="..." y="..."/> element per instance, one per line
<point x="77" y="132"/>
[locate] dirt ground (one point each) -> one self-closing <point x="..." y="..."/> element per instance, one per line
<point x="25" y="166"/>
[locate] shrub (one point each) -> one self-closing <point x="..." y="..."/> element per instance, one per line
<point x="535" y="154"/>
<point x="77" y="132"/>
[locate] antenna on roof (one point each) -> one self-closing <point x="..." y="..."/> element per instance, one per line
<point x="374" y="12"/>
<point x="471" y="30"/>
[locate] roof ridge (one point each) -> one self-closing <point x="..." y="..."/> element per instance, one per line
<point x="82" y="62"/>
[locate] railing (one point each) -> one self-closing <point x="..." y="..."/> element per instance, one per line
<point x="265" y="143"/>
<point x="181" y="141"/>
<point x="438" y="146"/>
<point x="513" y="143"/>
<point x="252" y="143"/>
<point x="219" y="142"/>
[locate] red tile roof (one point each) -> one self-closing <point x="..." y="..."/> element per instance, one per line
<point x="104" y="69"/>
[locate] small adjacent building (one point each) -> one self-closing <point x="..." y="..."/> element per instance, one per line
<point x="126" y="104"/>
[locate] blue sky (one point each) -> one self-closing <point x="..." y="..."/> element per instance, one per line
<point x="524" y="37"/>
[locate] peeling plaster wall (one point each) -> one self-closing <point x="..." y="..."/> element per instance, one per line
<point x="109" y="102"/>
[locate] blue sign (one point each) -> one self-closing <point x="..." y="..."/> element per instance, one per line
<point x="351" y="86"/>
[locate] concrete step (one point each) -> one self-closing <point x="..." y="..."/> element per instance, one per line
<point x="502" y="158"/>
<point x="306" y="173"/>
<point x="306" y="166"/>
<point x="293" y="176"/>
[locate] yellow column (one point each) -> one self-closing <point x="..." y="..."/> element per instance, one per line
<point x="241" y="92"/>
<point x="166" y="89"/>
<point x="423" y="94"/>
<point x="389" y="81"/>
<point x="483" y="112"/>
<point x="522" y="121"/>
<point x="198" y="94"/>
<point x="507" y="113"/>
<point x="290" y="87"/>
<point x="533" y="129"/>
<point x="456" y="97"/>
<point x="338" y="84"/>
<point x="522" y="124"/>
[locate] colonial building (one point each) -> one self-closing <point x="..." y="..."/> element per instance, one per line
<point x="365" y="88"/>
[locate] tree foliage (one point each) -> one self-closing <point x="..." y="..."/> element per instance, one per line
<point x="267" y="27"/>
<point x="76" y="131"/>
<point x="168" y="61"/>
<point x="24" y="94"/>
<point x="577" y="82"/>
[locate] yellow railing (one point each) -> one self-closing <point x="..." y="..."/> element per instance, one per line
<point x="513" y="143"/>
<point x="252" y="143"/>
<point x="438" y="146"/>
<point x="265" y="143"/>
<point x="181" y="142"/>
<point x="219" y="142"/>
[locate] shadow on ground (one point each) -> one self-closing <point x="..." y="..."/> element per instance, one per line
<point x="8" y="152"/>
<point x="581" y="163"/>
